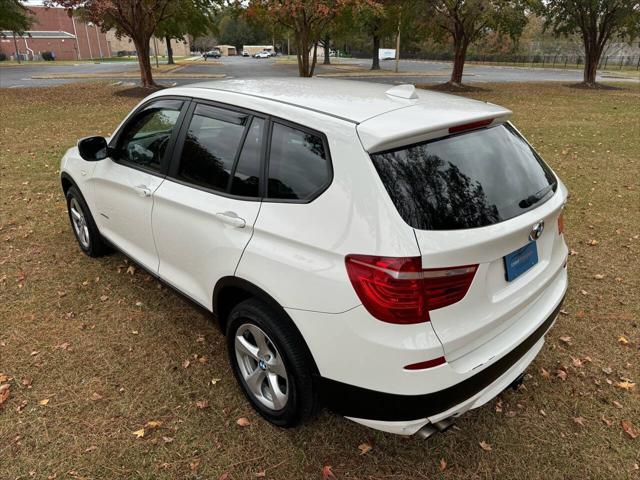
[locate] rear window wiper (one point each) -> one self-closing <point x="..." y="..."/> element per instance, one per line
<point x="536" y="197"/>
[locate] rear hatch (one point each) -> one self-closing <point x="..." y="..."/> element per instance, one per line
<point x="480" y="195"/>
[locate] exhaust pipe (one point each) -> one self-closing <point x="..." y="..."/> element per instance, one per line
<point x="436" y="427"/>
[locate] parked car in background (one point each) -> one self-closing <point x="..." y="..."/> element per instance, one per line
<point x="263" y="54"/>
<point x="212" y="54"/>
<point x="245" y="53"/>
<point x="393" y="254"/>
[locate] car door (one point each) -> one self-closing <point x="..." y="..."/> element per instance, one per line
<point x="205" y="209"/>
<point x="125" y="182"/>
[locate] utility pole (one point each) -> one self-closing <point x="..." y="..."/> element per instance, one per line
<point x="155" y="50"/>
<point x="398" y="40"/>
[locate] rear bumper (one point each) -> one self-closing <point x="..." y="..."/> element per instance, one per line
<point x="407" y="413"/>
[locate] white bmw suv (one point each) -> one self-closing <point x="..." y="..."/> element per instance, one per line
<point x="396" y="256"/>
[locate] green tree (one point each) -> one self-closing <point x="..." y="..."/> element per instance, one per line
<point x="467" y="21"/>
<point x="189" y="17"/>
<point x="597" y="21"/>
<point x="15" y="18"/>
<point x="307" y="19"/>
<point x="137" y="19"/>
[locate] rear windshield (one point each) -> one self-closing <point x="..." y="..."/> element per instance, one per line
<point x="468" y="180"/>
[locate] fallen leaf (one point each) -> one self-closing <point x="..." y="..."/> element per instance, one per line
<point x="543" y="413"/>
<point x="243" y="422"/>
<point x="622" y="340"/>
<point x="139" y="433"/>
<point x="443" y="464"/>
<point x="4" y="393"/>
<point x="4" y="378"/>
<point x="200" y="338"/>
<point x="598" y="276"/>
<point x="364" y="448"/>
<point x="26" y="382"/>
<point x="44" y="401"/>
<point x="224" y="476"/>
<point x="261" y="474"/>
<point x="625" y="385"/>
<point x="544" y="373"/>
<point x="566" y="339"/>
<point x="607" y="370"/>
<point x="203" y="359"/>
<point x="202" y="403"/>
<point x="629" y="429"/>
<point x="96" y="396"/>
<point x="606" y="421"/>
<point x="617" y="404"/>
<point x="152" y="424"/>
<point x="485" y="446"/>
<point x="90" y="449"/>
<point x="104" y="298"/>
<point x="186" y="363"/>
<point x="576" y="362"/>
<point x="131" y="270"/>
<point x="593" y="243"/>
<point x="327" y="472"/>
<point x="215" y="380"/>
<point x="167" y="439"/>
<point x="62" y="346"/>
<point x="561" y="374"/>
<point x="22" y="406"/>
<point x="499" y="406"/>
<point x="579" y="420"/>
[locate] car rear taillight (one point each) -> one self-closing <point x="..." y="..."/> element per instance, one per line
<point x="561" y="223"/>
<point x="399" y="290"/>
<point x="470" y="126"/>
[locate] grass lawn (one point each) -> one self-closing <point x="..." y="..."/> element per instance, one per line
<point x="92" y="351"/>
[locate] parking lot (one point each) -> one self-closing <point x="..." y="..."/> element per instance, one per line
<point x="29" y="75"/>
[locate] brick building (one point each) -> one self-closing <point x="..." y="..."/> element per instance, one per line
<point x="55" y="31"/>
<point x="69" y="38"/>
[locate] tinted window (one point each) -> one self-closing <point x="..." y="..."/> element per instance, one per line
<point x="465" y="181"/>
<point x="246" y="178"/>
<point x="144" y="141"/>
<point x="298" y="167"/>
<point x="210" y="147"/>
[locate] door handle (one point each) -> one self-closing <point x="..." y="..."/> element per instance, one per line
<point x="232" y="219"/>
<point x="143" y="190"/>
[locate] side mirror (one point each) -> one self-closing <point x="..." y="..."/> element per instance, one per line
<point x="93" y="148"/>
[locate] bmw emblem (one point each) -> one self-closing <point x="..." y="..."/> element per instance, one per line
<point x="536" y="231"/>
<point x="262" y="364"/>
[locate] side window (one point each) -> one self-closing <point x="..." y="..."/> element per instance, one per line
<point x="246" y="178"/>
<point x="298" y="165"/>
<point x="144" y="140"/>
<point x="210" y="147"/>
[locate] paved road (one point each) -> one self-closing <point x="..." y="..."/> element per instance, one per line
<point x="242" y="67"/>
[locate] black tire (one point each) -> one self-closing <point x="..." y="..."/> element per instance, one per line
<point x="95" y="246"/>
<point x="302" y="401"/>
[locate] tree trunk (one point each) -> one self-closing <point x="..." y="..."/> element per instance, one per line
<point x="460" y="48"/>
<point x="169" y="51"/>
<point x="315" y="59"/>
<point x="375" y="56"/>
<point x="592" y="54"/>
<point x="142" y="47"/>
<point x="304" y="49"/>
<point x="325" y="44"/>
<point x="15" y="44"/>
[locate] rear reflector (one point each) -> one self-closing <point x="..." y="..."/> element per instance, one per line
<point x="398" y="290"/>
<point x="426" y="364"/>
<point x="561" y="223"/>
<point x="470" y="126"/>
